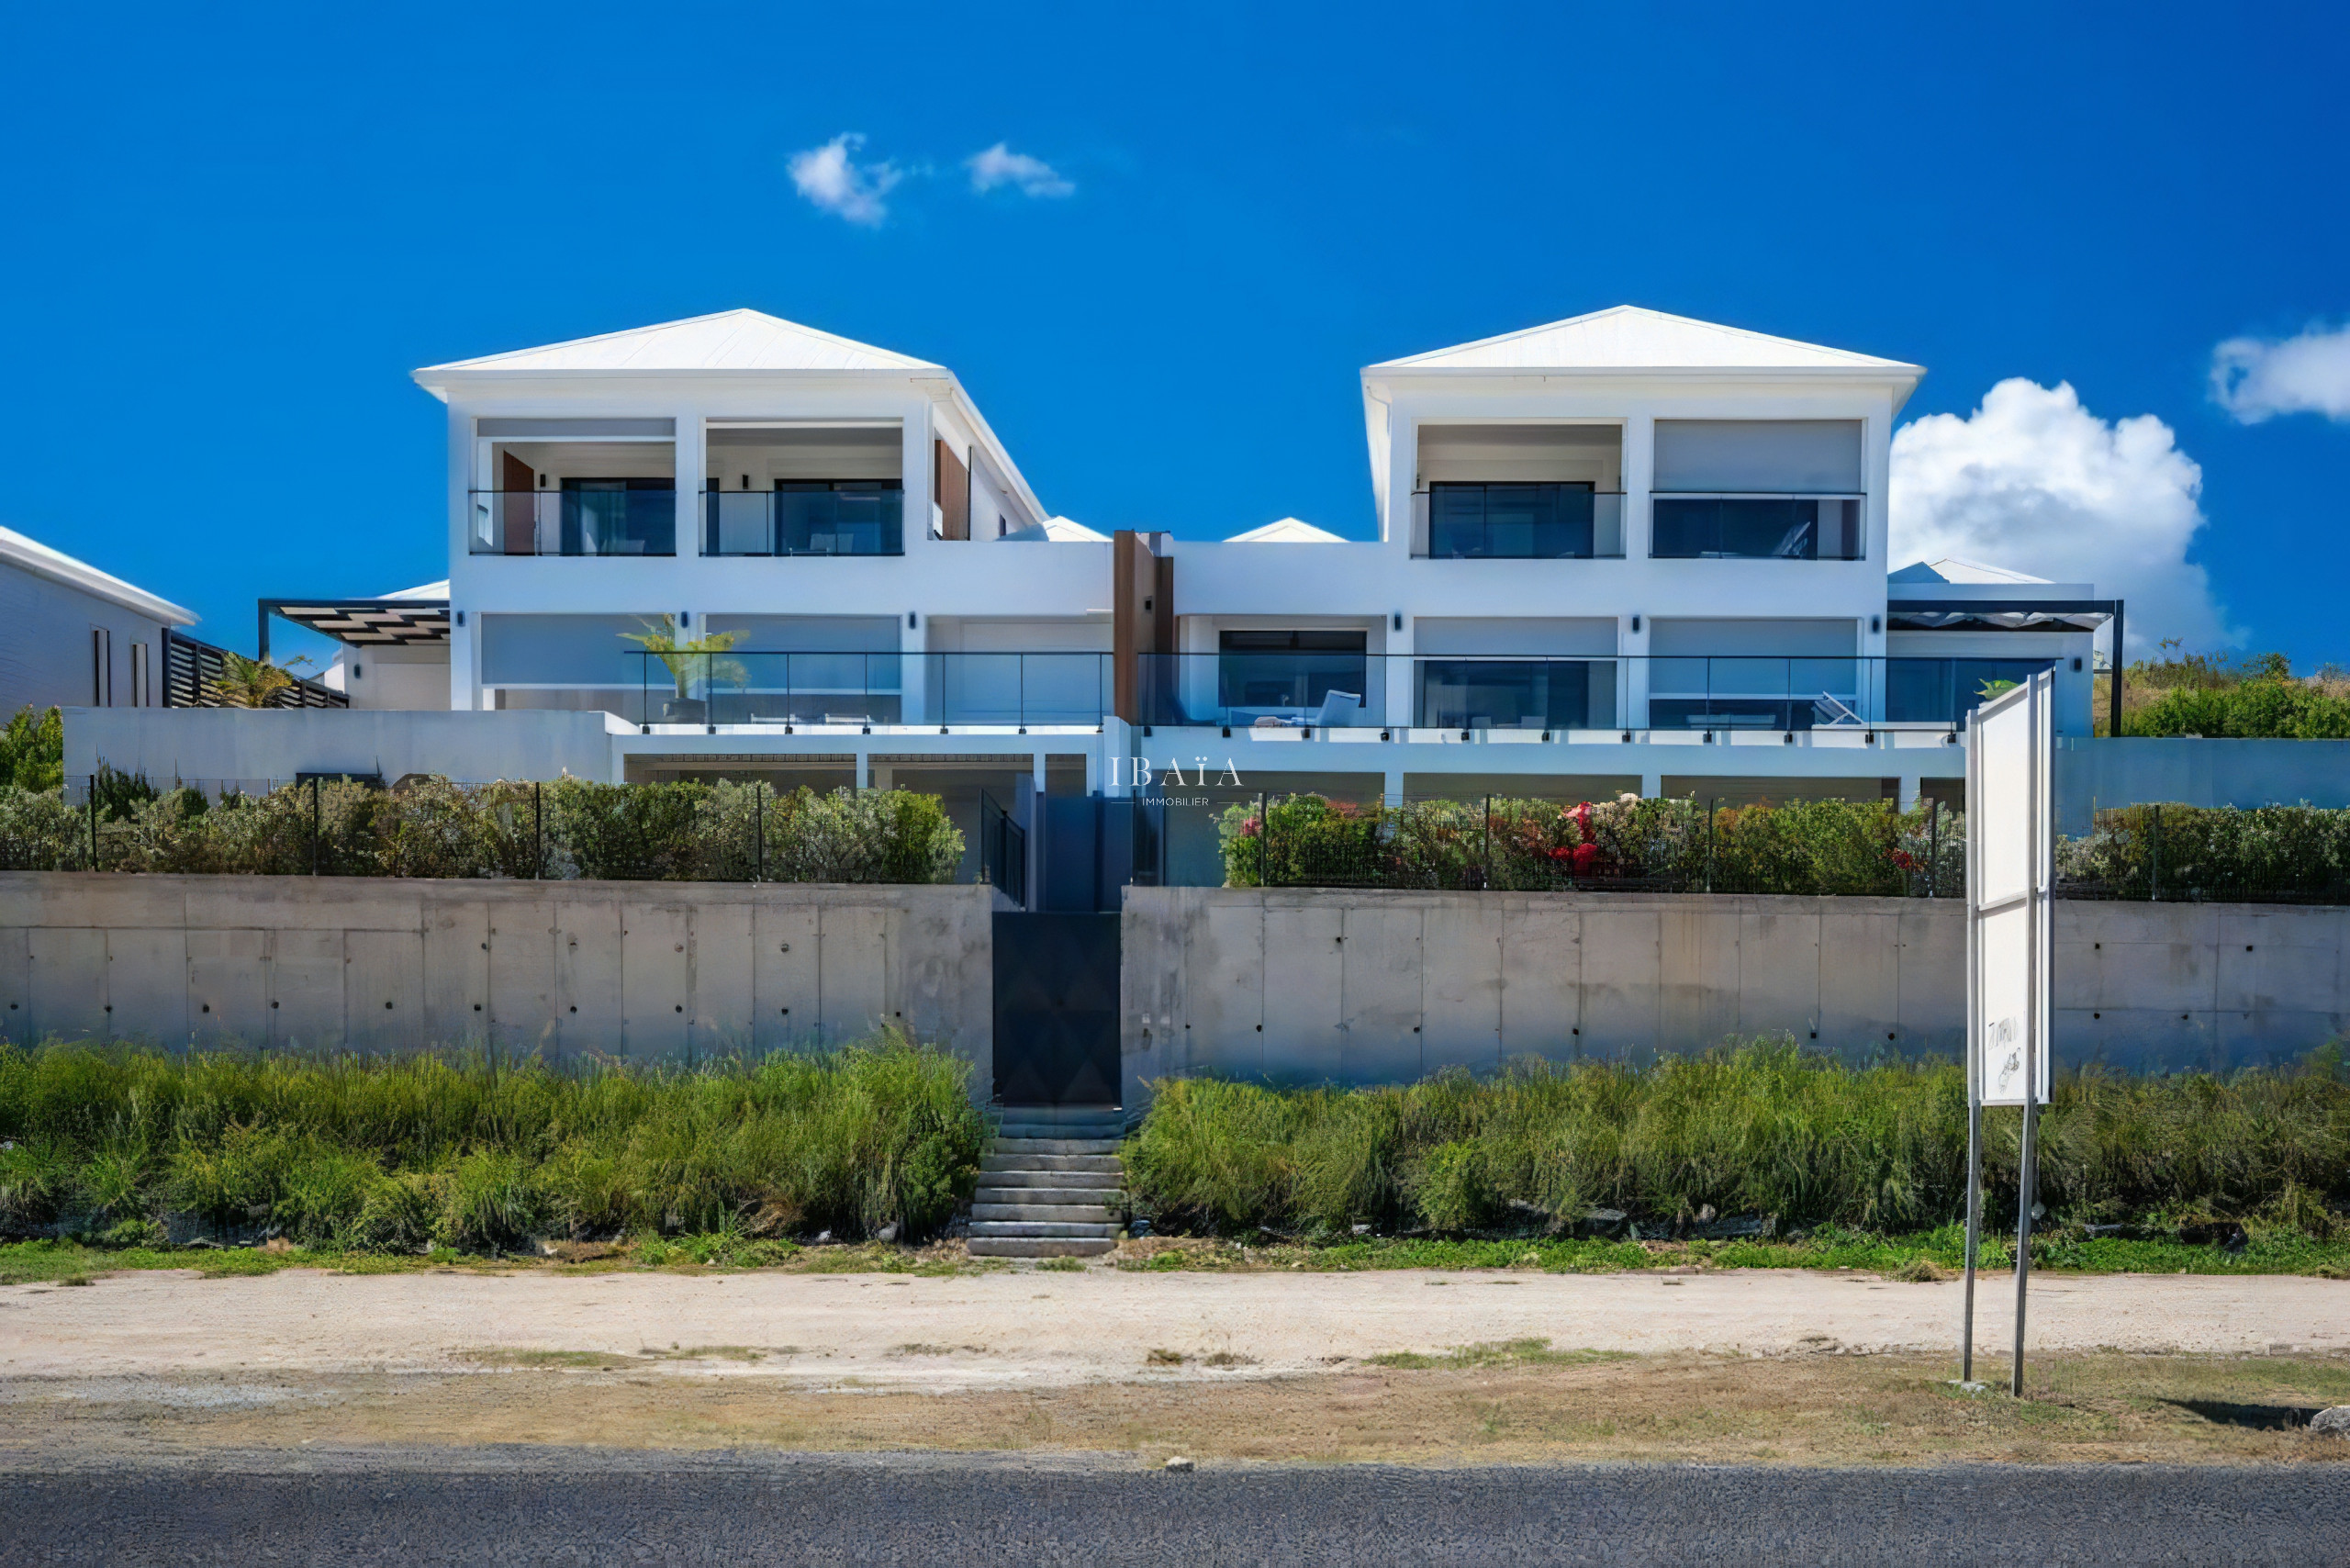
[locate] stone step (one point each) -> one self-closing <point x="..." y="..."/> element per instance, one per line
<point x="1038" y="1247"/>
<point x="1101" y="1197"/>
<point x="1053" y="1213"/>
<point x="1112" y="1132"/>
<point x="1018" y="1113"/>
<point x="1047" y="1181"/>
<point x="1068" y="1164"/>
<point x="1027" y="1146"/>
<point x="1044" y="1229"/>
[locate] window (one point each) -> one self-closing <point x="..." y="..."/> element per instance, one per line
<point x="1511" y="522"/>
<point x="1761" y="527"/>
<point x="620" y="517"/>
<point x="1289" y="674"/>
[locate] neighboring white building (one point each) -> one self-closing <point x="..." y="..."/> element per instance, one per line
<point x="1624" y="551"/>
<point x="77" y="636"/>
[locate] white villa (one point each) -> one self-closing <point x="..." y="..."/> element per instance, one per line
<point x="1627" y="552"/>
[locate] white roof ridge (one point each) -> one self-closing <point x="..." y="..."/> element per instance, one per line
<point x="1286" y="530"/>
<point x="1470" y="355"/>
<point x="511" y="358"/>
<point x="45" y="561"/>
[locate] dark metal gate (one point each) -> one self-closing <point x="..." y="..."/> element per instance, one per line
<point x="1056" y="1010"/>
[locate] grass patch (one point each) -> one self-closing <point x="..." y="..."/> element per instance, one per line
<point x="1227" y="1359"/>
<point x="576" y="1360"/>
<point x="1784" y="1138"/>
<point x="469" y="1152"/>
<point x="1920" y="1257"/>
<point x="1166" y="1358"/>
<point x="1061" y="1265"/>
<point x="1503" y="1353"/>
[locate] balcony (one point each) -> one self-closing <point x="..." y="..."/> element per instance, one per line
<point x="807" y="517"/>
<point x="1761" y="693"/>
<point x="1524" y="523"/>
<point x="1756" y="527"/>
<point x="620" y="517"/>
<point x="1945" y="691"/>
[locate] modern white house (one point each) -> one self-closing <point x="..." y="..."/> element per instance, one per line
<point x="1627" y="552"/>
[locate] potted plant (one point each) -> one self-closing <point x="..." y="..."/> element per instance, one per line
<point x="688" y="658"/>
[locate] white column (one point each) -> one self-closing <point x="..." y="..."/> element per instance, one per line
<point x="1640" y="470"/>
<point x="1400" y="666"/>
<point x="913" y="701"/>
<point x="1391" y="787"/>
<point x="691" y="462"/>
<point x="1913" y="792"/>
<point x="1652" y="785"/>
<point x="1116" y="745"/>
<point x="1633" y="646"/>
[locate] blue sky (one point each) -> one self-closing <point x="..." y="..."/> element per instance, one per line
<point x="231" y="232"/>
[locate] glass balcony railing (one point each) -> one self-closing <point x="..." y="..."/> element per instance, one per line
<point x="613" y="519"/>
<point x="1523" y="522"/>
<point x="1273" y="690"/>
<point x="1756" y="527"/>
<point x="839" y="518"/>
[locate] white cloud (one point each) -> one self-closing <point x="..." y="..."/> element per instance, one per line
<point x="2254" y="379"/>
<point x="999" y="165"/>
<point x="833" y="179"/>
<point x="2034" y="482"/>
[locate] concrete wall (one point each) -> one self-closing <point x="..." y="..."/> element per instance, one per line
<point x="643" y="970"/>
<point x="228" y="743"/>
<point x="2094" y="774"/>
<point x="1379" y="987"/>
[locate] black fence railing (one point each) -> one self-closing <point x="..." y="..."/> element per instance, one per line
<point x="344" y="826"/>
<point x="194" y="675"/>
<point x="1003" y="851"/>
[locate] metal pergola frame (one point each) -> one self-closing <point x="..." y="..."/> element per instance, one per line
<point x="2109" y="608"/>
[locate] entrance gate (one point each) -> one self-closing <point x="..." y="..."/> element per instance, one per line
<point x="1056" y="1010"/>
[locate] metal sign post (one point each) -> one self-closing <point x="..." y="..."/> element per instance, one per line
<point x="2011" y="866"/>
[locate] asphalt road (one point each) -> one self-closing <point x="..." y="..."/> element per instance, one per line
<point x="542" y="1505"/>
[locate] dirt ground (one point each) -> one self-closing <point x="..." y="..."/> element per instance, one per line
<point x="1412" y="1366"/>
<point x="1029" y="1327"/>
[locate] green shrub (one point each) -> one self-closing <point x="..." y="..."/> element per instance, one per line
<point x="1757" y="1129"/>
<point x="32" y="750"/>
<point x="2183" y="852"/>
<point x="1804" y="847"/>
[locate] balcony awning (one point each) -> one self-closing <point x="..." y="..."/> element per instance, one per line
<point x="364" y="622"/>
<point x="2000" y="614"/>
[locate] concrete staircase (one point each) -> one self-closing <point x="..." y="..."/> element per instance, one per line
<point x="1050" y="1185"/>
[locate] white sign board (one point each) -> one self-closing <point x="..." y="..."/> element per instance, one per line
<point x="2010" y="856"/>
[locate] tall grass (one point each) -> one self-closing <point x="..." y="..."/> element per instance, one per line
<point x="1757" y="1129"/>
<point x="376" y="1152"/>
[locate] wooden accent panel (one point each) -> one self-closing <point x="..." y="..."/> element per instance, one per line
<point x="950" y="487"/>
<point x="1142" y="616"/>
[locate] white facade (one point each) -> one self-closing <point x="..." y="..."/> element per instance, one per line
<point x="77" y="636"/>
<point x="1702" y="607"/>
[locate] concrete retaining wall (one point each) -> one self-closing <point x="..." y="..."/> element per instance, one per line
<point x="643" y="970"/>
<point x="1380" y="987"/>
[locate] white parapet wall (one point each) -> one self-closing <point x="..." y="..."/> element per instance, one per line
<point x="1344" y="986"/>
<point x="644" y="971"/>
<point x="234" y="743"/>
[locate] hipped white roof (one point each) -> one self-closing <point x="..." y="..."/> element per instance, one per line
<point x="1627" y="337"/>
<point x="730" y="339"/>
<point x="1288" y="531"/>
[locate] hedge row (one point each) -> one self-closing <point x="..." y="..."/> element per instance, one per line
<point x="1805" y="846"/>
<point x="428" y="827"/>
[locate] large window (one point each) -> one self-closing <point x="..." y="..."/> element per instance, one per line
<point x="620" y="517"/>
<point x="1288" y="674"/>
<point x="1517" y="694"/>
<point x="808" y="517"/>
<point x="1757" y="490"/>
<point x="1511" y="522"/>
<point x="1945" y="691"/>
<point x="1764" y="528"/>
